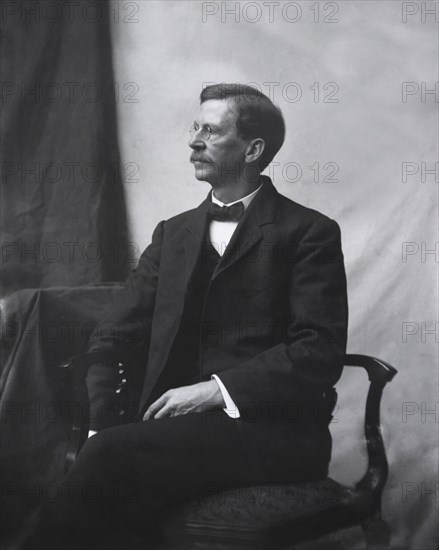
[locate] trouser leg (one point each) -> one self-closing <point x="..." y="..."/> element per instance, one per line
<point x="126" y="478"/>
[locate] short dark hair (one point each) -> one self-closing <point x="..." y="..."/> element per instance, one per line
<point x="258" y="117"/>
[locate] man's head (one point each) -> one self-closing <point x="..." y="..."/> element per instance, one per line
<point x="235" y="135"/>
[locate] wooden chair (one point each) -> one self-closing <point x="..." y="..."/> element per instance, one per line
<point x="275" y="516"/>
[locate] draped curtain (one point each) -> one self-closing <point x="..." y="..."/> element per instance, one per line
<point x="63" y="216"/>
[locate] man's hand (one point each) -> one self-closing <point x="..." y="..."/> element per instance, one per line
<point x="204" y="396"/>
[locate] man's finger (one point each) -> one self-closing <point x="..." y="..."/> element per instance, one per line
<point x="155" y="407"/>
<point x="163" y="413"/>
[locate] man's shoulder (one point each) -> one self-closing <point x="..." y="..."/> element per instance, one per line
<point x="290" y="211"/>
<point x="287" y="210"/>
<point x="182" y="218"/>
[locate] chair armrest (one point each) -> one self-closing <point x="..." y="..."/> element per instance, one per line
<point x="75" y="387"/>
<point x="379" y="373"/>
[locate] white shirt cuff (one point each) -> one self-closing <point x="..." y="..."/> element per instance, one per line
<point x="230" y="409"/>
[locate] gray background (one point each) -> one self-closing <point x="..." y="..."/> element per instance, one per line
<point x="167" y="52"/>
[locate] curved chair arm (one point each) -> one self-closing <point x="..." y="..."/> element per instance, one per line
<point x="75" y="380"/>
<point x="379" y="373"/>
<point x="75" y="386"/>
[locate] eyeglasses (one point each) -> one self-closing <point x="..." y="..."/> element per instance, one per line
<point x="205" y="132"/>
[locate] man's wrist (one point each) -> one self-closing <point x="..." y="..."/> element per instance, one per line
<point x="229" y="406"/>
<point x="214" y="393"/>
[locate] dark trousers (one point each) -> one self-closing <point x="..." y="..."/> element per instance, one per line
<point x="126" y="480"/>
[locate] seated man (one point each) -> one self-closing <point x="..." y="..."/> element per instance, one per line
<point x="234" y="326"/>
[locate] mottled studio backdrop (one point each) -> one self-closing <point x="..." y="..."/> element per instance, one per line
<point x="357" y="83"/>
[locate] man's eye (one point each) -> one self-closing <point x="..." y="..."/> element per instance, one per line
<point x="210" y="130"/>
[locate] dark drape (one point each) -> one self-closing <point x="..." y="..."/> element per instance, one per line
<point x="40" y="330"/>
<point x="63" y="216"/>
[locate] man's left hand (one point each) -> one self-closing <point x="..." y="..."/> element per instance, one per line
<point x="204" y="396"/>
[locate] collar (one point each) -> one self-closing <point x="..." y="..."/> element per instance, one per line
<point x="245" y="200"/>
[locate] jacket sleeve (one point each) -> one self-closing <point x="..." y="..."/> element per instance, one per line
<point x="311" y="357"/>
<point x="118" y="347"/>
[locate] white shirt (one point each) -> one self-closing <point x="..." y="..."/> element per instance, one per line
<point x="220" y="233"/>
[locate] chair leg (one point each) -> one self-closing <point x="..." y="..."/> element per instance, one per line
<point x="376" y="532"/>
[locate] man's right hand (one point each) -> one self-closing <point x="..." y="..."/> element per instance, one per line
<point x="187" y="399"/>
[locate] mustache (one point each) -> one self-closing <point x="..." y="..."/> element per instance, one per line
<point x="196" y="158"/>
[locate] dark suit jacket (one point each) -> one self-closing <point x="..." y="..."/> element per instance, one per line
<point x="274" y="323"/>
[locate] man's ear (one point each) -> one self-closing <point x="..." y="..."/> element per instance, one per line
<point x="254" y="150"/>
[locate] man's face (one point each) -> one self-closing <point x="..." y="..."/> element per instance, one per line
<point x="218" y="152"/>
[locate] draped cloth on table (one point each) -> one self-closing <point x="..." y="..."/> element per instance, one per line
<point x="40" y="329"/>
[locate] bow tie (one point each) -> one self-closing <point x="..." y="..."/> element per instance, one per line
<point x="226" y="213"/>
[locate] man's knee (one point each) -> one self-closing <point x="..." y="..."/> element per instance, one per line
<point x="97" y="451"/>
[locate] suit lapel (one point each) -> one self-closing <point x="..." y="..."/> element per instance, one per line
<point x="196" y="228"/>
<point x="248" y="232"/>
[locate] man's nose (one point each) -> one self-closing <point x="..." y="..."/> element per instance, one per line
<point x="196" y="143"/>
